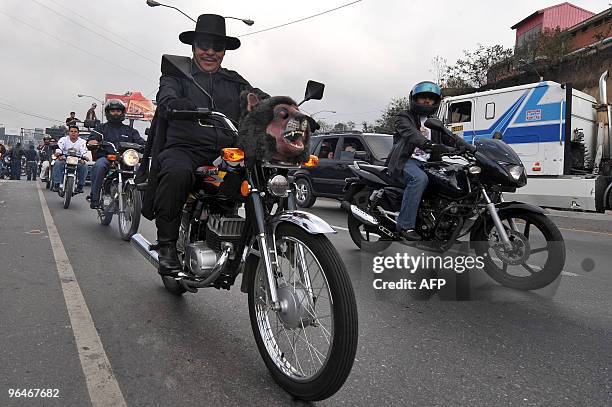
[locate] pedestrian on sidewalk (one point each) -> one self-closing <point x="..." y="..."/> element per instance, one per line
<point x="15" y="156"/>
<point x="31" y="163"/>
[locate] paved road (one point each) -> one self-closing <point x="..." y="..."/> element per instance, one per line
<point x="551" y="347"/>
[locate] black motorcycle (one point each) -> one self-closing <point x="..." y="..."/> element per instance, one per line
<point x="67" y="189"/>
<point x="301" y="302"/>
<point x="462" y="197"/>
<point x="119" y="194"/>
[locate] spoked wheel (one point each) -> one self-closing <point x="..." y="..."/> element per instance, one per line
<point x="365" y="237"/>
<point x="309" y="346"/>
<point x="68" y="190"/>
<point x="537" y="255"/>
<point x="129" y="220"/>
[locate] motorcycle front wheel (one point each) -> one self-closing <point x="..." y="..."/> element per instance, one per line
<point x="129" y="219"/>
<point x="68" y="190"/>
<point x="309" y="346"/>
<point x="537" y="255"/>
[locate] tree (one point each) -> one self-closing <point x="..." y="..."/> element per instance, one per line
<point x="323" y="126"/>
<point x="340" y="127"/>
<point x="472" y="69"/>
<point x="439" y="69"/>
<point x="385" y="123"/>
<point x="350" y="125"/>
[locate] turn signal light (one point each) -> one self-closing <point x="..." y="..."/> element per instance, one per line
<point x="233" y="155"/>
<point x="245" y="188"/>
<point x="111" y="157"/>
<point x="313" y="161"/>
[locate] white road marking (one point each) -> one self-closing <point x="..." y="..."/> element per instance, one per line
<point x="339" y="227"/>
<point x="101" y="382"/>
<point x="567" y="273"/>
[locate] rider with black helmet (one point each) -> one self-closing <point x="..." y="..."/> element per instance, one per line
<point x="413" y="145"/>
<point x="114" y="131"/>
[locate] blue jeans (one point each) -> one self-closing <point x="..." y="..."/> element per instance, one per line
<point x="58" y="173"/>
<point x="415" y="181"/>
<point x="98" y="172"/>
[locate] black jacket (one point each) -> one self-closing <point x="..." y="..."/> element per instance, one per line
<point x="115" y="133"/>
<point x="31" y="155"/>
<point x="224" y="88"/>
<point x="407" y="137"/>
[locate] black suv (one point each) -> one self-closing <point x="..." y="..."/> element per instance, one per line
<point x="336" y="151"/>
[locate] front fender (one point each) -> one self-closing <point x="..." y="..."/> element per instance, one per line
<point x="501" y="208"/>
<point x="307" y="221"/>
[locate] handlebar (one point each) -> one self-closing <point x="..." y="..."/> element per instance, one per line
<point x="199" y="115"/>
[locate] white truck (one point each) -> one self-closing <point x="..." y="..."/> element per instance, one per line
<point x="561" y="134"/>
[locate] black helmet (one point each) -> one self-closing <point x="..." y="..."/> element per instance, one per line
<point x="425" y="89"/>
<point x="114" y="104"/>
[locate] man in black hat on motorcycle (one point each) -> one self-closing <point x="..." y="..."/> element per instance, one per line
<point x="413" y="145"/>
<point x="177" y="148"/>
<point x="114" y="131"/>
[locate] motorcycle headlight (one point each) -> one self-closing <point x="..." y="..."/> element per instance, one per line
<point x="72" y="160"/>
<point x="278" y="186"/>
<point x="130" y="157"/>
<point x="516" y="171"/>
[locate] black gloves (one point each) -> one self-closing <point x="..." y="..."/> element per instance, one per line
<point x="181" y="104"/>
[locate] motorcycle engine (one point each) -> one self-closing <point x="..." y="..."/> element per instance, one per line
<point x="200" y="259"/>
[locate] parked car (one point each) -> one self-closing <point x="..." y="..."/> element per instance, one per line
<point x="336" y="151"/>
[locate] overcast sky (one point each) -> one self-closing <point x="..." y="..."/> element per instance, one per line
<point x="366" y="53"/>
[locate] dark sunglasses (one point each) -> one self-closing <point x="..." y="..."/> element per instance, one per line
<point x="206" y="44"/>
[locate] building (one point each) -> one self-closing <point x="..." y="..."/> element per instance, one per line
<point x="562" y="15"/>
<point x="594" y="30"/>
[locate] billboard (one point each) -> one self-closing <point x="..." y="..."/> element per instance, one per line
<point x="138" y="107"/>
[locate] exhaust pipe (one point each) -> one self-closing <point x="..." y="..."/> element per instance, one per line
<point x="143" y="246"/>
<point x="358" y="213"/>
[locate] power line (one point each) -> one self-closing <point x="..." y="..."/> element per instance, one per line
<point x="301" y="19"/>
<point x="14" y="109"/>
<point x="89" y="21"/>
<point x="76" y="47"/>
<point x="95" y="32"/>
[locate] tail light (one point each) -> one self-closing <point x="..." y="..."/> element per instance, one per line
<point x="233" y="155"/>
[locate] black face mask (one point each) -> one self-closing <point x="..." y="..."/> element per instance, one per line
<point x="206" y="43"/>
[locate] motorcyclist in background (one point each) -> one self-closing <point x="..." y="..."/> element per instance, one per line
<point x="114" y="131"/>
<point x="72" y="140"/>
<point x="413" y="145"/>
<point x="46" y="153"/>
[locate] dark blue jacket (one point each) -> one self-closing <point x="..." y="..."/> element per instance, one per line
<point x="31" y="155"/>
<point x="117" y="132"/>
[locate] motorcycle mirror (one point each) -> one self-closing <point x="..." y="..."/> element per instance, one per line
<point x="314" y="91"/>
<point x="434" y="124"/>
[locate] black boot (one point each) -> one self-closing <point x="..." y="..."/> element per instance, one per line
<point x="169" y="264"/>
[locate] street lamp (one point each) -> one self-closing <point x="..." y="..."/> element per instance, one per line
<point x="153" y="3"/>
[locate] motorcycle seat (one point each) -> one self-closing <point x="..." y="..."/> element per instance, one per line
<point x="381" y="172"/>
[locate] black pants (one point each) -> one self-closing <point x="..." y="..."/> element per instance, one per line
<point x="31" y="168"/>
<point x="174" y="182"/>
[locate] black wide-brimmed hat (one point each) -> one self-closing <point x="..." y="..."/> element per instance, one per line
<point x="210" y="24"/>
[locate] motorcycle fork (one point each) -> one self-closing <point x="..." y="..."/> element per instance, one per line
<point x="265" y="252"/>
<point x="120" y="191"/>
<point x="501" y="231"/>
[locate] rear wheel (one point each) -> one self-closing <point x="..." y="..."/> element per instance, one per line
<point x="68" y="190"/>
<point x="365" y="237"/>
<point x="304" y="196"/>
<point x="129" y="220"/>
<point x="309" y="346"/>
